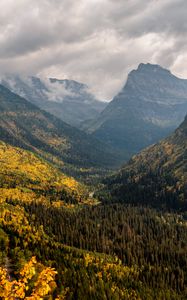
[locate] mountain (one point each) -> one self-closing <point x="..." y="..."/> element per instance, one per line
<point x="24" y="125"/>
<point x="68" y="100"/>
<point x="157" y="176"/>
<point x="151" y="105"/>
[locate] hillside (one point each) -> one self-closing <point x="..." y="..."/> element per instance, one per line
<point x="151" y="105"/>
<point x="26" y="177"/>
<point x="68" y="100"/>
<point x="24" y="125"/>
<point x="157" y="176"/>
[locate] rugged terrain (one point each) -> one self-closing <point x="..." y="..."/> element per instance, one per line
<point x="151" y="105"/>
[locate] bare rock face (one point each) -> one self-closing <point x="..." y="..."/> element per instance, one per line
<point x="151" y="105"/>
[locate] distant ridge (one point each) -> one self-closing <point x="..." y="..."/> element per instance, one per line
<point x="69" y="100"/>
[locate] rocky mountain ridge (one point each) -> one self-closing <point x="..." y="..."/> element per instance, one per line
<point x="151" y="105"/>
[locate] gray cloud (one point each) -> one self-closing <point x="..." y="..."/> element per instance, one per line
<point x="94" y="41"/>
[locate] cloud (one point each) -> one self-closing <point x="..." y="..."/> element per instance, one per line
<point x="94" y="41"/>
<point x="56" y="91"/>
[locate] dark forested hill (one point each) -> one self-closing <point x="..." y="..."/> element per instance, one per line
<point x="151" y="105"/>
<point x="157" y="176"/>
<point x="25" y="125"/>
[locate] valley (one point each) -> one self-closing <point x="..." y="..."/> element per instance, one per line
<point x="79" y="221"/>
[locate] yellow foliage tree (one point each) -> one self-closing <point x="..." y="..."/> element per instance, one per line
<point x="32" y="285"/>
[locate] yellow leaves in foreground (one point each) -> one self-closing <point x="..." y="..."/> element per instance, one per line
<point x="34" y="283"/>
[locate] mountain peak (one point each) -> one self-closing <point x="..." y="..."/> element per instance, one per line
<point x="152" y="81"/>
<point x="68" y="82"/>
<point x="152" y="103"/>
<point x="153" y="69"/>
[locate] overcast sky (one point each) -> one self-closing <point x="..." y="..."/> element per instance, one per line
<point x="94" y="41"/>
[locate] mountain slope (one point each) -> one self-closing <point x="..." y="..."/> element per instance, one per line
<point x="26" y="177"/>
<point x="69" y="100"/>
<point x="157" y="176"/>
<point x="151" y="105"/>
<point x="25" y="125"/>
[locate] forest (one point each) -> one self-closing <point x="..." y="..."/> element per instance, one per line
<point x="123" y="252"/>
